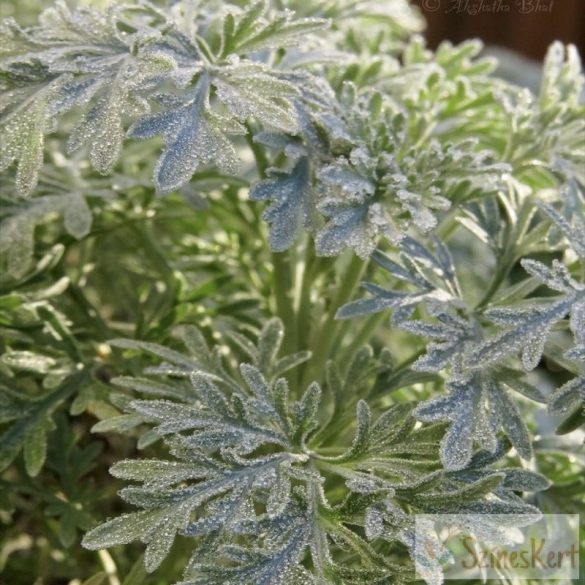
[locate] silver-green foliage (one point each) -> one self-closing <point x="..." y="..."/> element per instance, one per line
<point x="116" y="64"/>
<point x="251" y="480"/>
<point x="365" y="152"/>
<point x="480" y="366"/>
<point x="466" y="192"/>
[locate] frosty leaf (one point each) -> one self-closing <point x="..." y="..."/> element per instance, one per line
<point x="28" y="361"/>
<point x="35" y="447"/>
<point x="362" y="436"/>
<point x="23" y="133"/>
<point x="305" y="413"/>
<point x="250" y="32"/>
<point x="193" y="137"/>
<point x="101" y="128"/>
<point x="291" y="205"/>
<point x="174" y="357"/>
<point x="269" y="343"/>
<point x="355" y="217"/>
<point x="112" y="62"/>
<point x="114" y="90"/>
<point x="264" y="354"/>
<point x="577" y="326"/>
<point x="489" y="483"/>
<point x="557" y="278"/>
<point x="552" y="122"/>
<point x="432" y="276"/>
<point x="251" y="91"/>
<point x="154" y="388"/>
<point x="248" y="467"/>
<point x="156" y="529"/>
<point x="568" y="400"/>
<point x="451" y="332"/>
<point x="525" y="480"/>
<point x="527" y="329"/>
<point x="371" y="192"/>
<point x="227" y="487"/>
<point x="74" y="57"/>
<point x="119" y="424"/>
<point x="574" y="234"/>
<point x="357" y="226"/>
<point x="563" y="78"/>
<point x="476" y="407"/>
<point x="168" y="511"/>
<point x="288" y="362"/>
<point x="279" y="563"/>
<point x="122" y="530"/>
<point x="568" y="397"/>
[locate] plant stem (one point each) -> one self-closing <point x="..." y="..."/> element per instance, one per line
<point x="283" y="282"/>
<point x="258" y="152"/>
<point x="283" y="275"/>
<point x="505" y="263"/>
<point x="109" y="566"/>
<point x="325" y="337"/>
<point x="363" y="335"/>
<point x="304" y="298"/>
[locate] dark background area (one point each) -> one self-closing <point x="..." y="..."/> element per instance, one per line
<point x="525" y="26"/>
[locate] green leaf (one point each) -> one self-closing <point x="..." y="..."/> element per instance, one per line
<point x="23" y="139"/>
<point x="448" y="499"/>
<point x="33" y="425"/>
<point x="251" y="33"/>
<point x="35" y="447"/>
<point x="306" y="413"/>
<point x="28" y="361"/>
<point x="362" y="434"/>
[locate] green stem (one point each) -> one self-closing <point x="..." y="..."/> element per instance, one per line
<point x="283" y="275"/>
<point x="109" y="566"/>
<point x="304" y="301"/>
<point x="259" y="154"/>
<point x="505" y="263"/>
<point x="283" y="282"/>
<point x="362" y="337"/>
<point x="326" y="336"/>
